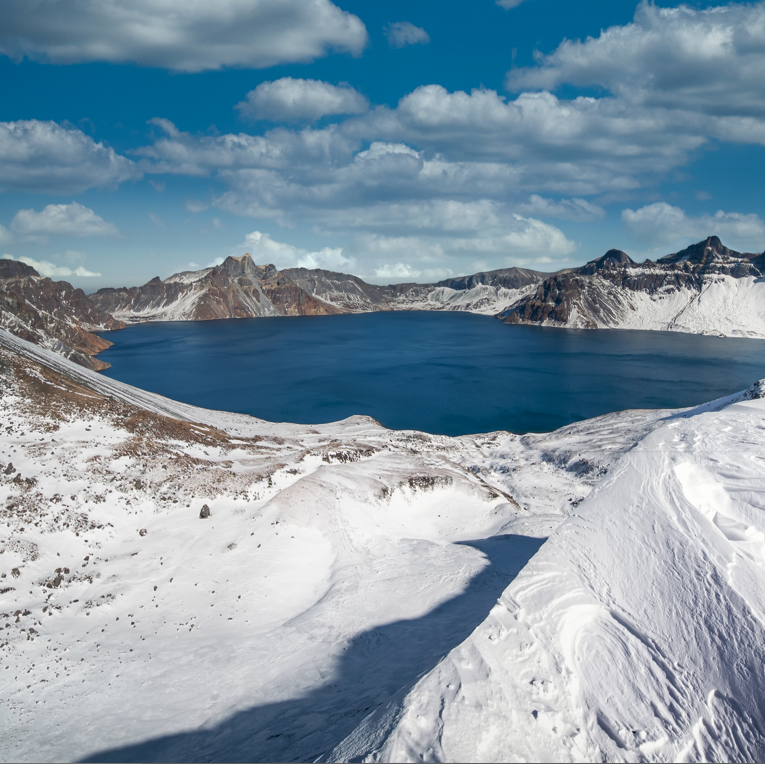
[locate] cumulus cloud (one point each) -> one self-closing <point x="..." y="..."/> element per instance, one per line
<point x="707" y="61"/>
<point x="264" y="249"/>
<point x="396" y="271"/>
<point x="179" y="35"/>
<point x="51" y="271"/>
<point x="62" y="220"/>
<point x="401" y="33"/>
<point x="661" y="223"/>
<point x="297" y="100"/>
<point x="46" y="157"/>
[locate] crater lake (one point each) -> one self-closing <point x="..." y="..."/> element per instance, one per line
<point x="442" y="372"/>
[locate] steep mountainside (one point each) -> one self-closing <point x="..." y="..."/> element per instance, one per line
<point x="240" y="289"/>
<point x="706" y="288"/>
<point x="53" y="314"/>
<point x="235" y="289"/>
<point x="359" y="593"/>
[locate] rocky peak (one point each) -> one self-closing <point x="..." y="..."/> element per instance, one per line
<point x="238" y="266"/>
<point x="614" y="258"/>
<point x="706" y="251"/>
<point x="13" y="269"/>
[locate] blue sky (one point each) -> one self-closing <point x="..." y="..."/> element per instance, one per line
<point x="397" y="141"/>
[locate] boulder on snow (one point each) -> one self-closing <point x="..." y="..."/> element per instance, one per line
<point x="204" y="512"/>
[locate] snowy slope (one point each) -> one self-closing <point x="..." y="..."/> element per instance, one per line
<point x="340" y="563"/>
<point x="635" y="634"/>
<point x="724" y="306"/>
<point x="486" y="299"/>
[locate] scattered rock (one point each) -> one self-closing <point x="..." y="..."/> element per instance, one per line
<point x="142" y="532"/>
<point x="15" y="572"/>
<point x="204" y="512"/>
<point x="10" y="469"/>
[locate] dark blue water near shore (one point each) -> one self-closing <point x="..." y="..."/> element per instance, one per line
<point x="450" y="373"/>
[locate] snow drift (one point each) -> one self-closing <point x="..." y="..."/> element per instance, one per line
<point x="357" y="592"/>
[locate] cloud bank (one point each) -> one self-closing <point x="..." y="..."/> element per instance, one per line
<point x="661" y="223"/>
<point x="62" y="220"/>
<point x="46" y="157"/>
<point x="178" y="34"/>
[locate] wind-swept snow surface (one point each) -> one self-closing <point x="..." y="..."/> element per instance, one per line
<point x="341" y="599"/>
<point x="636" y="632"/>
<point x="339" y="563"/>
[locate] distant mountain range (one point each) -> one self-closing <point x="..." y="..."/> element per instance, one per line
<point x="238" y="288"/>
<point x="706" y="288"/>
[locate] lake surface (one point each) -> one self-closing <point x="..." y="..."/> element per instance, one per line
<point x="449" y="373"/>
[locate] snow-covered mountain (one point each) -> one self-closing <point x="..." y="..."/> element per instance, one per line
<point x="359" y="592"/>
<point x="704" y="289"/>
<point x="235" y="289"/>
<point x="238" y="288"/>
<point x="52" y="314"/>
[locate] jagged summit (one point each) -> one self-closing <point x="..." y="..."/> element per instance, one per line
<point x="703" y="252"/>
<point x="239" y="266"/>
<point x="12" y="269"/>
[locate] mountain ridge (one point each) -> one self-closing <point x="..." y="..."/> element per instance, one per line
<point x="705" y="288"/>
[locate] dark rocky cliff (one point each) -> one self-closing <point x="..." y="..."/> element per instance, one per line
<point x="53" y="314"/>
<point x="598" y="293"/>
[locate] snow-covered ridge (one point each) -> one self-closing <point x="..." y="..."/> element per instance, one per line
<point x="705" y="289"/>
<point x="340" y="563"/>
<point x="634" y="634"/>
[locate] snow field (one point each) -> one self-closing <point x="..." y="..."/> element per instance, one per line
<point x="634" y="634"/>
<point x="330" y="597"/>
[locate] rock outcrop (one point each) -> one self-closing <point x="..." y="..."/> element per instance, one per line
<point x="705" y="288"/>
<point x="53" y="314"/>
<point x="235" y="289"/>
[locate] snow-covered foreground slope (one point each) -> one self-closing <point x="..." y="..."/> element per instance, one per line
<point x="340" y="563"/>
<point x="636" y="632"/>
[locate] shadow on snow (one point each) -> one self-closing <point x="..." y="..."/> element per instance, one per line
<point x="376" y="665"/>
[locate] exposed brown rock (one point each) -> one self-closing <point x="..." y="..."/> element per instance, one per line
<point x="53" y="314"/>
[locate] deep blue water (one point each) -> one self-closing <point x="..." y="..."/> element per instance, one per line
<point x="450" y="373"/>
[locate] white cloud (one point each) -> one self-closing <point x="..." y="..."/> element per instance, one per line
<point x="706" y="61"/>
<point x="264" y="249"/>
<point x="507" y="4"/>
<point x="62" y="220"/>
<point x="45" y="157"/>
<point x="401" y="33"/>
<point x="156" y="219"/>
<point x="157" y="185"/>
<point x="661" y="223"/>
<point x="51" y="271"/>
<point x="396" y="271"/>
<point x="297" y="100"/>
<point x="6" y="237"/>
<point x="177" y="34"/>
